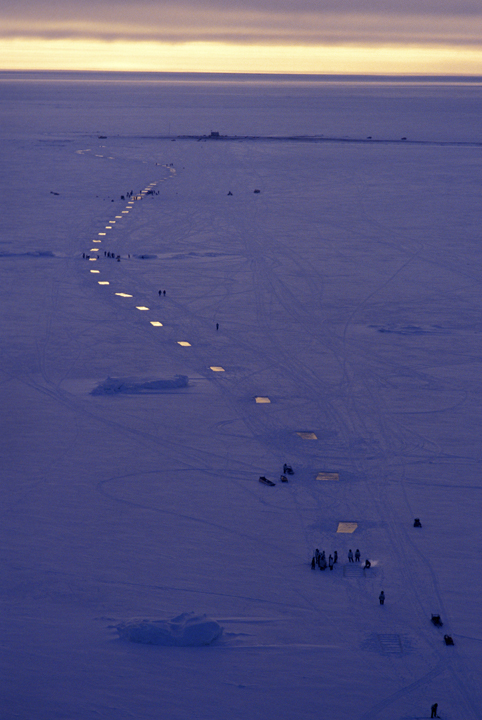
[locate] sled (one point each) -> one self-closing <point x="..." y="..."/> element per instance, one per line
<point x="265" y="481"/>
<point x="448" y="640"/>
<point x="436" y="620"/>
<point x="283" y="478"/>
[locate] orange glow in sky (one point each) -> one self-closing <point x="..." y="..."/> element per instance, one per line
<point x="18" y="53"/>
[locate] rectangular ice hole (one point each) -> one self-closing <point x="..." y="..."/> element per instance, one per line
<point x="95" y="271"/>
<point x="183" y="343"/>
<point x="103" y="282"/>
<point x="141" y="307"/>
<point x="261" y="400"/>
<point x="96" y="240"/>
<point x="92" y="259"/>
<point x="346" y="527"/>
<point x="123" y="295"/>
<point x="156" y="323"/>
<point x="101" y="233"/>
<point x="307" y="435"/>
<point x="94" y="250"/>
<point x="216" y="368"/>
<point x="124" y="212"/>
<point x="119" y="217"/>
<point x="328" y="476"/>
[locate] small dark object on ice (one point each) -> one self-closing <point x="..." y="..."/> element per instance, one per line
<point x="265" y="481"/>
<point x="434" y="709"/>
<point x="256" y="192"/>
<point x="381" y="597"/>
<point x="230" y="193"/>
<point x="367" y="564"/>
<point x="288" y="470"/>
<point x="417" y="523"/>
<point x="436" y="620"/>
<point x="313" y="563"/>
<point x="448" y="640"/>
<point x="54" y="193"/>
<point x="283" y="478"/>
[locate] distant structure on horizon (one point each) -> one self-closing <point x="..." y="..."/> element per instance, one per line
<point x="214" y="134"/>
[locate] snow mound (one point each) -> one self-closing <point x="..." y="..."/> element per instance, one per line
<point x="131" y="386"/>
<point x="186" y="630"/>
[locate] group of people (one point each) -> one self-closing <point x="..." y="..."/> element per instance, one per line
<point x="319" y="559"/>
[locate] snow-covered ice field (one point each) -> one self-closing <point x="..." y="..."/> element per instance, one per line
<point x="348" y="291"/>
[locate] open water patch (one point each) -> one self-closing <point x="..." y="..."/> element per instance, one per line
<point x="133" y="386"/>
<point x="185" y="630"/>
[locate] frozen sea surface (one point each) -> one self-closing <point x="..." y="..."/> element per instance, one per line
<point x="347" y="292"/>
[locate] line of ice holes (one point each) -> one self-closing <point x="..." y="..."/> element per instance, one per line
<point x="98" y="241"/>
<point x="343" y="527"/>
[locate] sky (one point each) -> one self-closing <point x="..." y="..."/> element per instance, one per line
<point x="299" y="36"/>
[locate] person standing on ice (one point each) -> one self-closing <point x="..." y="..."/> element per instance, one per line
<point x="330" y="562"/>
<point x="357" y="555"/>
<point x="350" y="556"/>
<point x="313" y="563"/>
<point x="335" y="557"/>
<point x="381" y="597"/>
<point x="434" y="709"/>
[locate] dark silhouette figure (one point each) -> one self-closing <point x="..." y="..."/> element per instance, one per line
<point x="313" y="563"/>
<point x="381" y="597"/>
<point x="160" y="293"/>
<point x="436" y="620"/>
<point x="335" y="557"/>
<point x="434" y="709"/>
<point x="164" y="293"/>
<point x="448" y="640"/>
<point x="330" y="562"/>
<point x="350" y="556"/>
<point x="357" y="555"/>
<point x="217" y="326"/>
<point x="417" y="523"/>
<point x="367" y="564"/>
<point x="323" y="564"/>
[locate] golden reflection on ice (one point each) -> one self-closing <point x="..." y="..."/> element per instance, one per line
<point x="124" y="212"/>
<point x="141" y="307"/>
<point x="156" y="323"/>
<point x="103" y="282"/>
<point x="328" y="476"/>
<point x="92" y="259"/>
<point x="216" y="368"/>
<point x="307" y="435"/>
<point x="261" y="400"/>
<point x="101" y="233"/>
<point x="346" y="527"/>
<point x="119" y="217"/>
<point x="95" y="271"/>
<point x="183" y="343"/>
<point x="94" y="250"/>
<point x="96" y="240"/>
<point x="123" y="295"/>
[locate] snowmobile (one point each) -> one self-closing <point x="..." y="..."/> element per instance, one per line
<point x="435" y="619"/>
<point x="288" y="470"/>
